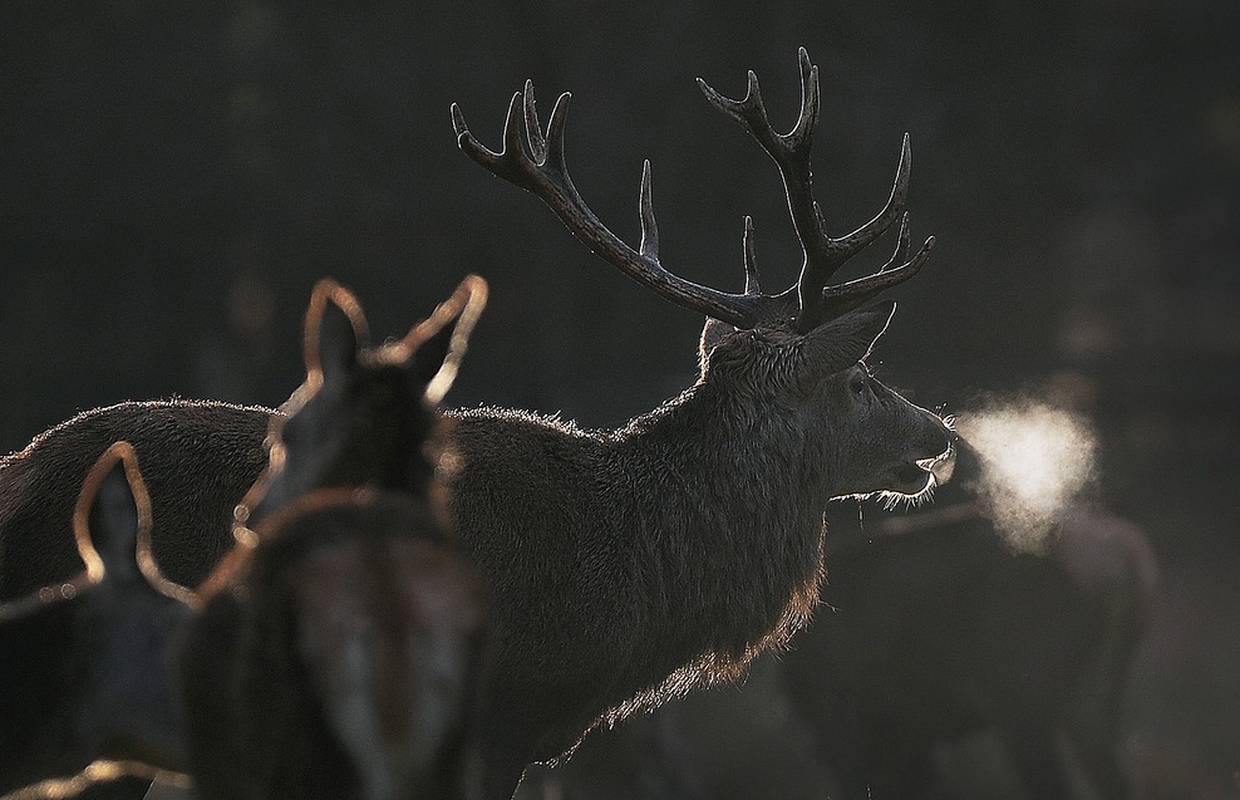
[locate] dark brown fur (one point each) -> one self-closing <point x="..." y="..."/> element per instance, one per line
<point x="623" y="566"/>
<point x="199" y="458"/>
<point x="270" y="684"/>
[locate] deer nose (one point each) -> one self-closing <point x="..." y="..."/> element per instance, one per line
<point x="935" y="439"/>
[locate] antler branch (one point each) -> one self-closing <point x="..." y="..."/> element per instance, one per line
<point x="823" y="255"/>
<point x="534" y="160"/>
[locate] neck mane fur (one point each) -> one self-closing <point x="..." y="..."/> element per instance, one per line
<point x="724" y="509"/>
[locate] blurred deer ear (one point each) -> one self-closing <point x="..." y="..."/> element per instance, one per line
<point x="111" y="510"/>
<point x="335" y="330"/>
<point x="843" y="342"/>
<point x="437" y="344"/>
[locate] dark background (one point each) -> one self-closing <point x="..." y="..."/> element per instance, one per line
<point x="176" y="176"/>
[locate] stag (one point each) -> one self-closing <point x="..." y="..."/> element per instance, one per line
<point x="85" y="664"/>
<point x="638" y="563"/>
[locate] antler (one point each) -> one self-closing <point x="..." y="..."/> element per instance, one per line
<point x="824" y="255"/>
<point x="534" y="160"/>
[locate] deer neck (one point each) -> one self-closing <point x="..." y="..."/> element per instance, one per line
<point x="730" y="516"/>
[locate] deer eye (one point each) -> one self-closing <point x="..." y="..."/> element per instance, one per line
<point x="857" y="385"/>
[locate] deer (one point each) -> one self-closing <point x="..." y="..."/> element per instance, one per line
<point x="346" y="625"/>
<point x="941" y="631"/>
<point x="625" y="567"/>
<point x="609" y="596"/>
<point x="89" y="683"/>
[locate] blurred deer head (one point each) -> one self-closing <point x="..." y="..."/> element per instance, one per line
<point x="364" y="415"/>
<point x="86" y="664"/>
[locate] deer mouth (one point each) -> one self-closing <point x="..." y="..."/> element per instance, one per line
<point x="914" y="476"/>
<point x="911" y="477"/>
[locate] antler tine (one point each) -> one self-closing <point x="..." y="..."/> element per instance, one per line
<point x="844" y="297"/>
<point x="506" y="163"/>
<point x="538" y="144"/>
<point x="535" y="162"/>
<point x="902" y="243"/>
<point x="853" y="243"/>
<point x="649" y="246"/>
<point x="752" y="283"/>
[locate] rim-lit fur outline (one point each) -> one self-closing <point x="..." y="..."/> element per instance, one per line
<point x="123" y="452"/>
<point x="467" y="303"/>
<point x="319" y="499"/>
<point x="95" y="572"/>
<point x="97" y="771"/>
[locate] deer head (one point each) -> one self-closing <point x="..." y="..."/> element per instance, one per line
<point x="85" y="664"/>
<point x="364" y="415"/>
<point x="798" y="352"/>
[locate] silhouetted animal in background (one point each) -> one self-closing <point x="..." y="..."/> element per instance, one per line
<point x="938" y="631"/>
<point x="85" y="665"/>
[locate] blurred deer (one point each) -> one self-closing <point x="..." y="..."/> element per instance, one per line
<point x="939" y="632"/>
<point x="84" y="665"/>
<point x="336" y="649"/>
<point x="338" y="658"/>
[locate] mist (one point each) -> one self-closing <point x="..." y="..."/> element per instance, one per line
<point x="1035" y="459"/>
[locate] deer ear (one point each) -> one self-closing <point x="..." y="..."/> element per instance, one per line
<point x="712" y="333"/>
<point x="437" y="344"/>
<point x="843" y="342"/>
<point x="335" y="330"/>
<point x="112" y="511"/>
